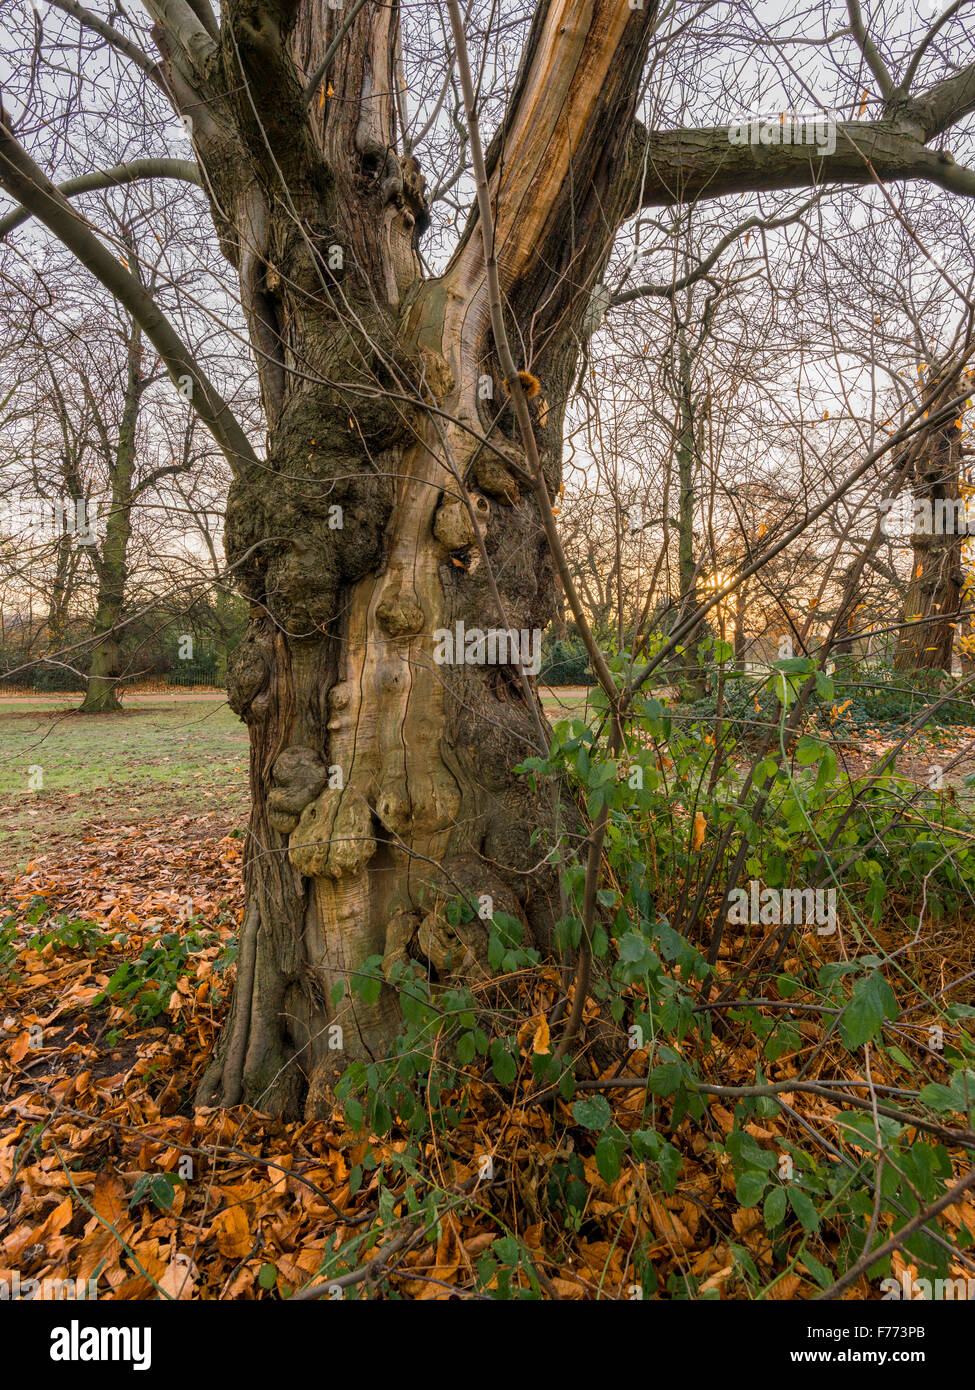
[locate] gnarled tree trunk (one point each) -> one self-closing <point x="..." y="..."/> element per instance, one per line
<point x="382" y="781"/>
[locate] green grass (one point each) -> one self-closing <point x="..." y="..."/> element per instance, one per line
<point x="163" y="756"/>
<point x="565" y="701"/>
<point x="166" y="757"/>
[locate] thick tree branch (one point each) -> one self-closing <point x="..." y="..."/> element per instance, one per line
<point x="922" y="47"/>
<point x="204" y="13"/>
<point x="168" y="470"/>
<point x="868" y="48"/>
<point x="184" y="26"/>
<point x="685" y="165"/>
<point x="560" y="162"/>
<point x="121" y="174"/>
<point x="266" y="100"/>
<point x="946" y="103"/>
<point x="24" y="181"/>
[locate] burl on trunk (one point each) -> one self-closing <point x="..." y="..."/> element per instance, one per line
<point x="382" y="778"/>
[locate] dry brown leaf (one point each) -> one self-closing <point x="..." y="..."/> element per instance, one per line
<point x="234" y="1236"/>
<point x="568" y="1289"/>
<point x="746" y="1219"/>
<point x="180" y="1278"/>
<point x="718" y="1280"/>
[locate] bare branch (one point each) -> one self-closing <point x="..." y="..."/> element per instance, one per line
<point x="27" y="183"/>
<point x="701" y="271"/>
<point x="131" y="50"/>
<point x="939" y="23"/>
<point x="121" y="174"/>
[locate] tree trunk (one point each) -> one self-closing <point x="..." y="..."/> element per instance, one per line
<point x="690" y="669"/>
<point x="933" y="597"/>
<point x="111" y="567"/>
<point x="382" y="777"/>
<point x="61" y="591"/>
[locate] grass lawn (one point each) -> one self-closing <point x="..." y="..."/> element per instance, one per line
<point x="566" y="701"/>
<point x="161" y="757"/>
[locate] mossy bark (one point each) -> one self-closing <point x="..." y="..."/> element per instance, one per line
<point x="382" y="782"/>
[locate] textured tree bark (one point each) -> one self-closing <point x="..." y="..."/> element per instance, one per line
<point x="382" y="781"/>
<point x="684" y="165"/>
<point x="933" y="597"/>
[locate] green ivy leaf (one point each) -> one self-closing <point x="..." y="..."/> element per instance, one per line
<point x="633" y="947"/>
<point x="354" y="1113"/>
<point x="939" y="1098"/>
<point x="670" y="1162"/>
<point x="803" y="1208"/>
<point x="162" y="1190"/>
<point x="809" y="750"/>
<point x="608" y="1151"/>
<point x="873" y="1001"/>
<point x="592" y="1114"/>
<point x="664" y="1080"/>
<point x="824" y="686"/>
<point x="504" y="1066"/>
<point x="774" y="1208"/>
<point x="749" y="1188"/>
<point x="819" y="1272"/>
